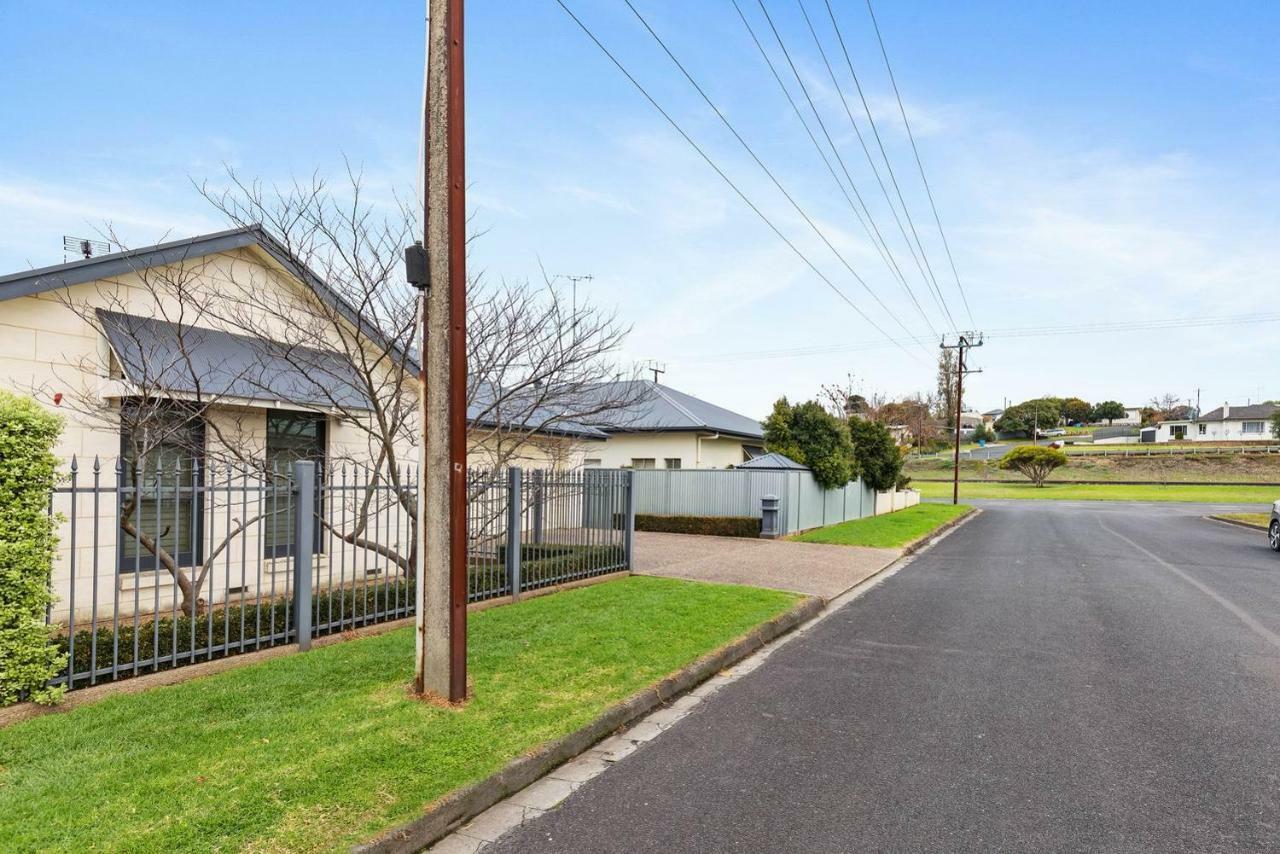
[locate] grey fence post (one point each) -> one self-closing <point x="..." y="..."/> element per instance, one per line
<point x="304" y="533"/>
<point x="514" y="500"/>
<point x="538" y="502"/>
<point x="629" y="518"/>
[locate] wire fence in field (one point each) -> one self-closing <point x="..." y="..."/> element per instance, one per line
<point x="168" y="565"/>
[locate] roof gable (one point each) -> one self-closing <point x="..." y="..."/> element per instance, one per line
<point x="57" y="276"/>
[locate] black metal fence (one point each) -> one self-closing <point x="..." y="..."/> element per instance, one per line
<point x="164" y="566"/>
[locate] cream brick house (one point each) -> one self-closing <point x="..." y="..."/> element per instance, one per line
<point x="167" y="326"/>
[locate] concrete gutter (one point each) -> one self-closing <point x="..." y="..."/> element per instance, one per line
<point x="456" y="808"/>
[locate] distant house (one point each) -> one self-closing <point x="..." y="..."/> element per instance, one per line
<point x="669" y="429"/>
<point x="1132" y="417"/>
<point x="991" y="416"/>
<point x="1227" y="423"/>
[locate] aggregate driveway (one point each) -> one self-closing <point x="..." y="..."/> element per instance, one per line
<point x="1050" y="677"/>
<point x="811" y="568"/>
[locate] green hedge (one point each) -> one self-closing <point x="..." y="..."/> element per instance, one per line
<point x="28" y="471"/>
<point x="715" y="526"/>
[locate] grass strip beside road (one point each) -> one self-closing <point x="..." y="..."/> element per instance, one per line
<point x="325" y="749"/>
<point x="892" y="530"/>
<point x="1224" y="494"/>
<point x="1256" y="520"/>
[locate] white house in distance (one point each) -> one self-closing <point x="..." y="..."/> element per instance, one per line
<point x="670" y="429"/>
<point x="1225" y="424"/>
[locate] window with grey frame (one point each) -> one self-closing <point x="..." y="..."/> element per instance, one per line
<point x="291" y="437"/>
<point x="162" y="469"/>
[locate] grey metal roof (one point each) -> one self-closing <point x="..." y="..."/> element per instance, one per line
<point x="195" y="360"/>
<point x="489" y="409"/>
<point x="1256" y="412"/>
<point x="664" y="409"/>
<point x="43" y="279"/>
<point x="773" y="461"/>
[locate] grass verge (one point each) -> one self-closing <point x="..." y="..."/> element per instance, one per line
<point x="1256" y="520"/>
<point x="892" y="530"/>
<point x="323" y="750"/>
<point x="1224" y="494"/>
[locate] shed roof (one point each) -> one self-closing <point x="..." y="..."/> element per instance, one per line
<point x="773" y="461"/>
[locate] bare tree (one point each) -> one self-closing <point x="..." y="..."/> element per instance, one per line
<point x="945" y="402"/>
<point x="344" y="345"/>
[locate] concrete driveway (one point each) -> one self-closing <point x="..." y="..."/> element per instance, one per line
<point x="812" y="568"/>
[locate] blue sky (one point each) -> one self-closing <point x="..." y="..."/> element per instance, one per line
<point x="1092" y="163"/>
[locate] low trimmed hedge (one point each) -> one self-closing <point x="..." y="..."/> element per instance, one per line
<point x="261" y="620"/>
<point x="712" y="526"/>
<point x="28" y="471"/>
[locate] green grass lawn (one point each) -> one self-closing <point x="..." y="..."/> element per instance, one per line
<point x="1224" y="494"/>
<point x="322" y="750"/>
<point x="1258" y="520"/>
<point x="892" y="530"/>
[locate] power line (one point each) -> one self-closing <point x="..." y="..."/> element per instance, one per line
<point x="707" y="158"/>
<point x="893" y="178"/>
<point x="836" y="151"/>
<point x="747" y="147"/>
<point x="919" y="163"/>
<point x="882" y="250"/>
<point x="1093" y="328"/>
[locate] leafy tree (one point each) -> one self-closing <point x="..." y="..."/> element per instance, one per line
<point x="982" y="433"/>
<point x="1275" y="424"/>
<point x="1026" y="416"/>
<point x="1075" y="409"/>
<point x="1109" y="411"/>
<point x="878" y="455"/>
<point x="1033" y="461"/>
<point x="809" y="434"/>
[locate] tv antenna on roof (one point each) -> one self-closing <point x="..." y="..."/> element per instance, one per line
<point x="87" y="248"/>
<point x="658" y="368"/>
<point x="574" y="279"/>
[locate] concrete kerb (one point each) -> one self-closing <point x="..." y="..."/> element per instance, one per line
<point x="917" y="544"/>
<point x="454" y="809"/>
<point x="1238" y="523"/>
<point x="699" y="680"/>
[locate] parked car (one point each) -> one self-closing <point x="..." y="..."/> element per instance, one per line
<point x="1273" y="530"/>
<point x="1058" y="431"/>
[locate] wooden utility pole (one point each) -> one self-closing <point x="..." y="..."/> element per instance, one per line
<point x="440" y="662"/>
<point x="967" y="341"/>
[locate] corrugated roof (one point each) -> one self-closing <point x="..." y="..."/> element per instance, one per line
<point x="195" y="360"/>
<point x="1256" y="412"/>
<point x="773" y="461"/>
<point x="516" y="411"/>
<point x="664" y="409"/>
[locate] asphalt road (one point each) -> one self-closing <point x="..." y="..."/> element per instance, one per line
<point x="1051" y="677"/>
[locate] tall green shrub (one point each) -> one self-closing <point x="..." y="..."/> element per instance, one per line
<point x="28" y="470"/>
<point x="811" y="436"/>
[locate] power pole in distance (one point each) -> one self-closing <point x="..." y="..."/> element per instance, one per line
<point x="967" y="341"/>
<point x="440" y="657"/>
